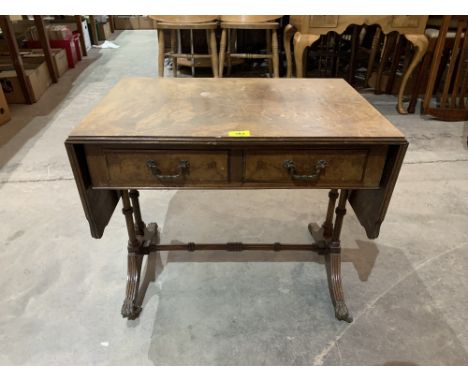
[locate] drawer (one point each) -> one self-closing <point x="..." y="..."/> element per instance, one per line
<point x="153" y="168"/>
<point x="322" y="168"/>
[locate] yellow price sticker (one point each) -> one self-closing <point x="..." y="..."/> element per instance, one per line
<point x="239" y="133"/>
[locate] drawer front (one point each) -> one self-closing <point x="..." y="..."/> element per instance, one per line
<point x="153" y="168"/>
<point x="323" y="168"/>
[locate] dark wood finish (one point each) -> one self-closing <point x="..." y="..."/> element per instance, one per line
<point x="175" y="134"/>
<point x="8" y="32"/>
<point x="44" y="39"/>
<point x="79" y="26"/>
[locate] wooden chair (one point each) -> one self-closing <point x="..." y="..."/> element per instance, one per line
<point x="423" y="74"/>
<point x="452" y="102"/>
<point x="176" y="23"/>
<point x="229" y="27"/>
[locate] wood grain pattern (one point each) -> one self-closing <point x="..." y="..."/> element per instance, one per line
<point x="128" y="168"/>
<point x="345" y="168"/>
<point x="285" y="109"/>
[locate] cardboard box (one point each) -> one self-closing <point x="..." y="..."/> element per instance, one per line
<point x="54" y="31"/>
<point x="59" y="58"/>
<point x="126" y="22"/>
<point x="104" y="31"/>
<point x="37" y="75"/>
<point x="5" y="115"/>
<point x="144" y="22"/>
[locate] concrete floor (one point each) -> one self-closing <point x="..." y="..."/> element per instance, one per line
<point x="61" y="290"/>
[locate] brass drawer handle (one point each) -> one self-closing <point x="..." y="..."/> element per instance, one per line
<point x="291" y="167"/>
<point x="183" y="169"/>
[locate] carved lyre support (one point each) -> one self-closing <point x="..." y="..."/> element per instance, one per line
<point x="333" y="261"/>
<point x="130" y="308"/>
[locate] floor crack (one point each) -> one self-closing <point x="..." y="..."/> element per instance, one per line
<point x="35" y="180"/>
<point x="438" y="161"/>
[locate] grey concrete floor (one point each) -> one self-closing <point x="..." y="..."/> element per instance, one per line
<point x="61" y="290"/>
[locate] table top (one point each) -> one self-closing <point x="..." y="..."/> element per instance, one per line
<point x="208" y="108"/>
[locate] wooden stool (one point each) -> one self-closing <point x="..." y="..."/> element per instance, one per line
<point x="177" y="23"/>
<point x="232" y="23"/>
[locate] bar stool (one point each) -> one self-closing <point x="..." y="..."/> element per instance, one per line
<point x="175" y="24"/>
<point x="232" y="23"/>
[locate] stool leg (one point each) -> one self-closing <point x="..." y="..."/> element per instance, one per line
<point x="192" y="52"/>
<point x="228" y="51"/>
<point x="274" y="43"/>
<point x="213" y="50"/>
<point x="222" y="52"/>
<point x="161" y="53"/>
<point x="232" y="39"/>
<point x="174" y="51"/>
<point x="268" y="51"/>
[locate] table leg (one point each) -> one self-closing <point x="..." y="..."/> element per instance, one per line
<point x="287" y="35"/>
<point x="333" y="262"/>
<point x="140" y="237"/>
<point x="420" y="43"/>
<point x="302" y="41"/>
<point x="140" y="225"/>
<point x="130" y="308"/>
<point x="328" y="224"/>
<point x="328" y="243"/>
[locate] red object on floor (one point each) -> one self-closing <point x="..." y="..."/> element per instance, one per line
<point x="68" y="45"/>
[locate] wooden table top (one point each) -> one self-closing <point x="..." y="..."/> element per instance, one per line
<point x="199" y="109"/>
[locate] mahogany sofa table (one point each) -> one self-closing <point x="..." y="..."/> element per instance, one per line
<point x="152" y="133"/>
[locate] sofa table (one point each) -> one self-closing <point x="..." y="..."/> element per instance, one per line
<point x="152" y="133"/>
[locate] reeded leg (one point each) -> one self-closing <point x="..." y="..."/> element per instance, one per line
<point x="420" y="43"/>
<point x="161" y="53"/>
<point x="274" y="47"/>
<point x="222" y="52"/>
<point x="130" y="308"/>
<point x="301" y="42"/>
<point x="333" y="263"/>
<point x="287" y="35"/>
